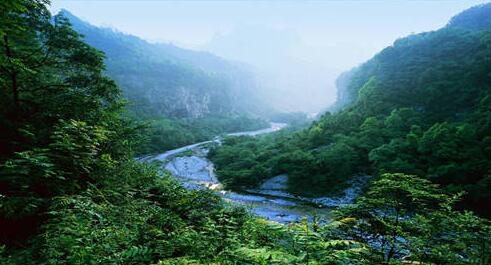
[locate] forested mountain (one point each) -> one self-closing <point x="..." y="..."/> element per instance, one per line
<point x="457" y="44"/>
<point x="182" y="96"/>
<point x="165" y="80"/>
<point x="421" y="106"/>
<point x="71" y="191"/>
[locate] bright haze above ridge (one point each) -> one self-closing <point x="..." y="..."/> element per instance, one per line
<point x="296" y="48"/>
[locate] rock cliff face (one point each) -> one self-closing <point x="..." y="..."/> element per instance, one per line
<point x="191" y="104"/>
<point x="165" y="80"/>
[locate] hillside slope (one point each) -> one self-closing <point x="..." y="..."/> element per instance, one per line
<point x="165" y="80"/>
<point x="421" y="106"/>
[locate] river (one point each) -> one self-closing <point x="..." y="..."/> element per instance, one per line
<point x="270" y="200"/>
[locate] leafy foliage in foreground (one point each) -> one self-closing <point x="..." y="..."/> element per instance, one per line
<point x="409" y="218"/>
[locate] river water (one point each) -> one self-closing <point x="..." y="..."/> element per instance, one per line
<point x="270" y="200"/>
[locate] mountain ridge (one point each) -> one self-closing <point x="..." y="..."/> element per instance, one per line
<point x="165" y="80"/>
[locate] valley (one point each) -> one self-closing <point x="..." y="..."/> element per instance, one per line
<point x="118" y="146"/>
<point x="270" y="200"/>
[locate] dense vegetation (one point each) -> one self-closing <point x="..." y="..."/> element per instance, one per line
<point x="165" y="134"/>
<point x="71" y="192"/>
<point x="421" y="106"/>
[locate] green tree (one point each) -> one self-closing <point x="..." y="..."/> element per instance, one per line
<point x="407" y="217"/>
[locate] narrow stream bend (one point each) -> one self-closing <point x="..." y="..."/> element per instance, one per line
<point x="270" y="201"/>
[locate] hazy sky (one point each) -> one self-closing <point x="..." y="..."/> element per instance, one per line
<point x="321" y="23"/>
<point x="335" y="34"/>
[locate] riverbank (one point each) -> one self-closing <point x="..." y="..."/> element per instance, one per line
<point x="269" y="201"/>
